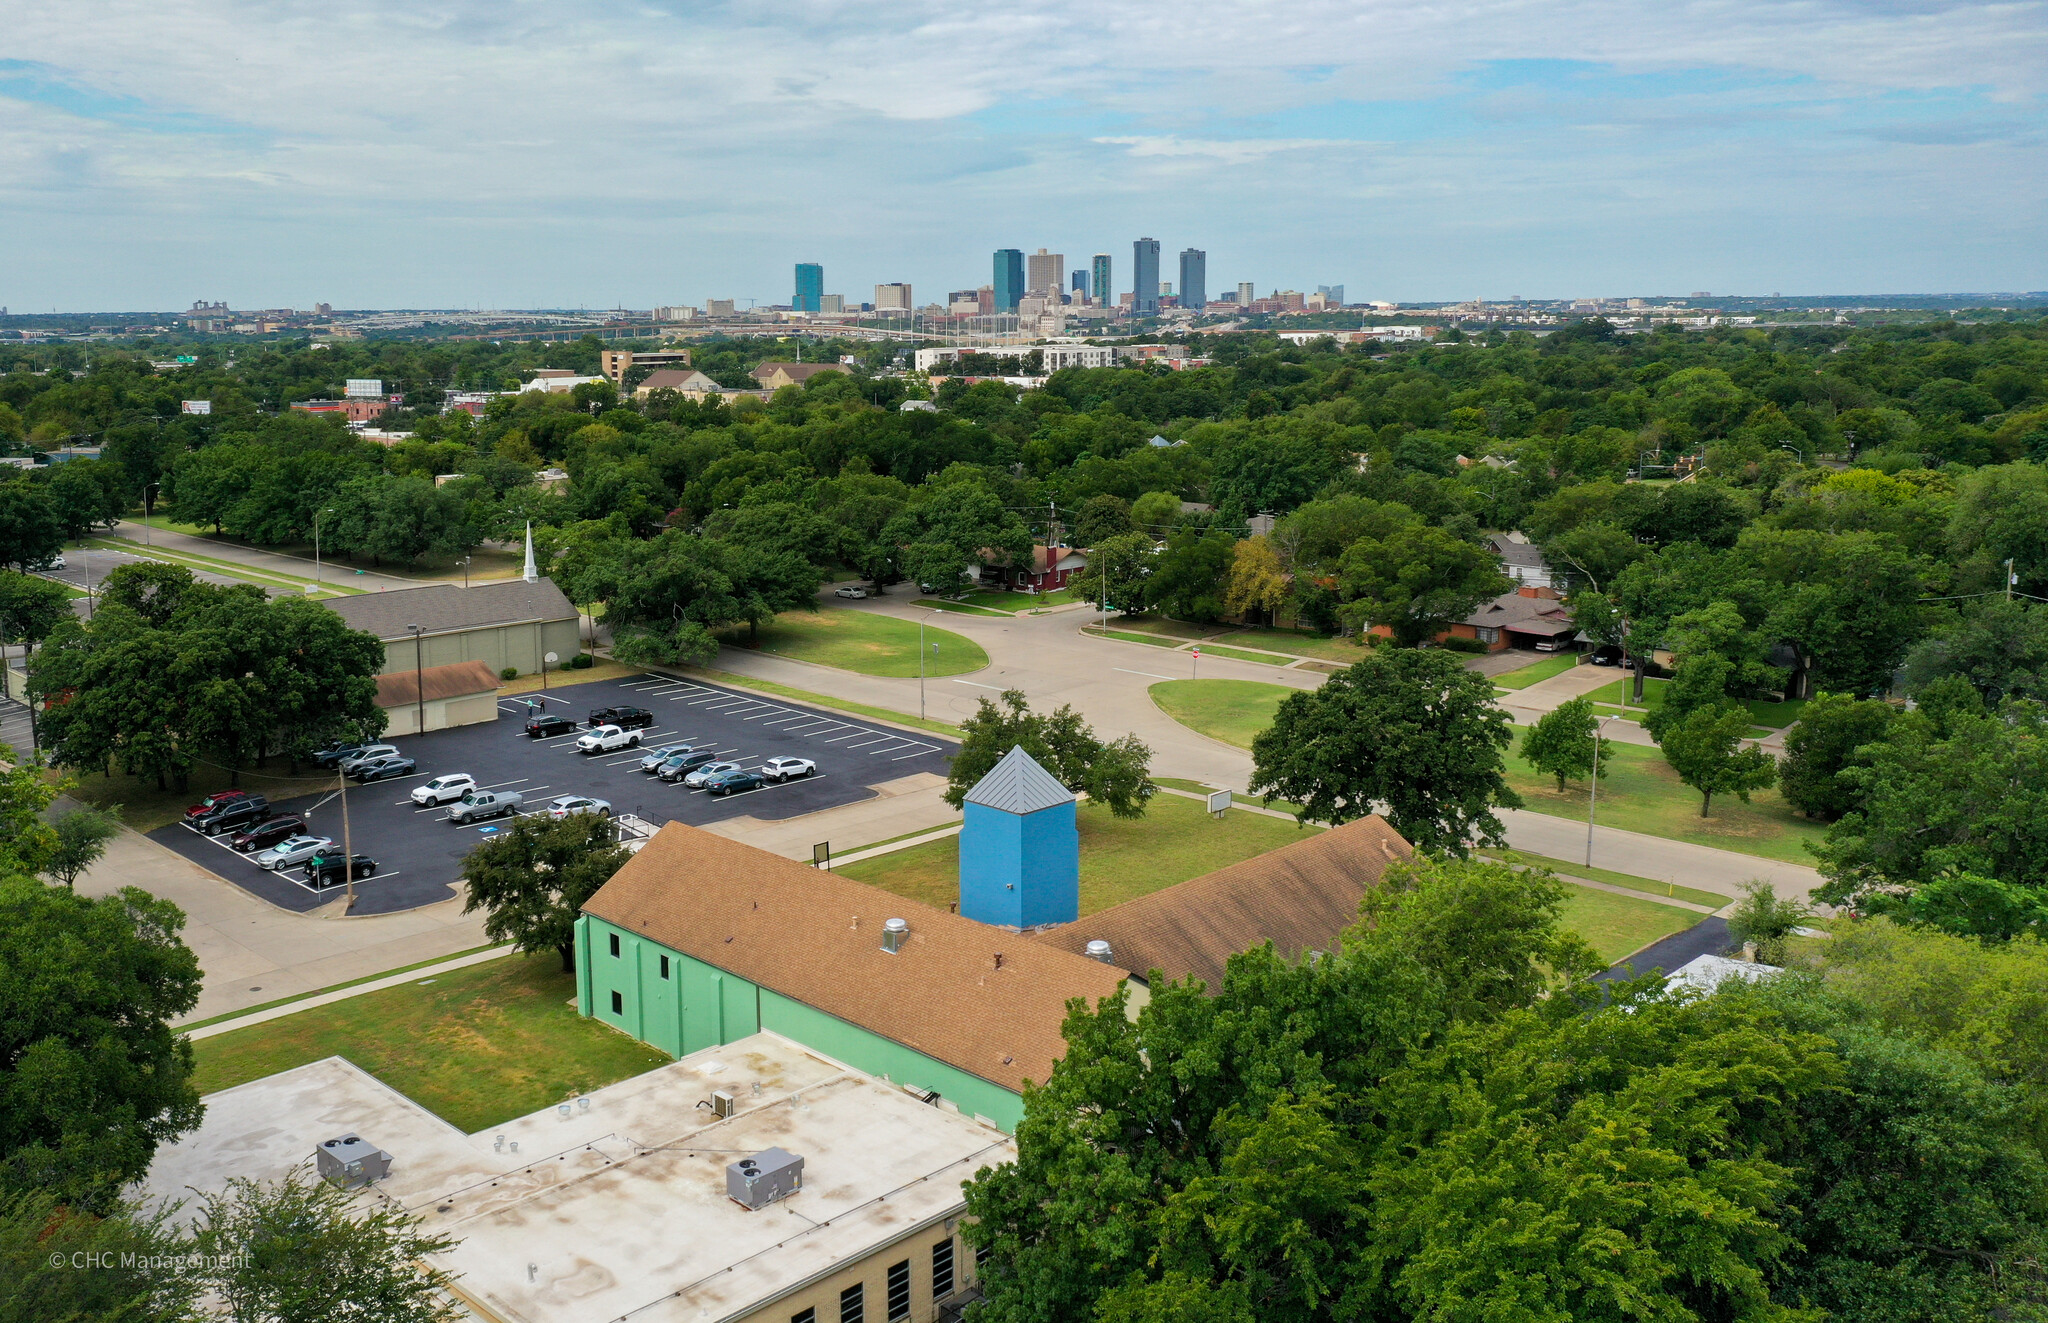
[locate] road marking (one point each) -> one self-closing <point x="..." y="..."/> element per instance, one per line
<point x="997" y="688"/>
<point x="1154" y="674"/>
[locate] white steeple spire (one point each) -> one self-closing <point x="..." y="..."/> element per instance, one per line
<point x="530" y="574"/>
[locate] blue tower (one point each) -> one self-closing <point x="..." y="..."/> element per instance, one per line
<point x="1020" y="851"/>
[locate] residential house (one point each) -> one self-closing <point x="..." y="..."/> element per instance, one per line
<point x="1048" y="570"/>
<point x="1522" y="560"/>
<point x="774" y="376"/>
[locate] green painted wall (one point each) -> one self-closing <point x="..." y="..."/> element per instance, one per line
<point x="699" y="1005"/>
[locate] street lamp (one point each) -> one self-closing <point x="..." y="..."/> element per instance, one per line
<point x="1593" y="800"/>
<point x="419" y="679"/>
<point x="147" y="488"/>
<point x="920" y="660"/>
<point x="316" y="542"/>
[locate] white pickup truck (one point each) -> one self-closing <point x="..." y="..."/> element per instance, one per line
<point x="607" y="739"/>
<point x="484" y="804"/>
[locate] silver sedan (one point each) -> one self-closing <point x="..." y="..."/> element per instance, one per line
<point x="294" y="850"/>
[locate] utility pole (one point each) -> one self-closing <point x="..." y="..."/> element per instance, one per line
<point x="419" y="680"/>
<point x="1593" y="799"/>
<point x="348" y="849"/>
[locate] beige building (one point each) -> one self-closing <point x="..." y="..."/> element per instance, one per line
<point x="459" y="694"/>
<point x="892" y="297"/>
<point x="774" y="376"/>
<point x="615" y="363"/>
<point x="512" y="624"/>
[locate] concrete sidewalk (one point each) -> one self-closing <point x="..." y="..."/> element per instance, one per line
<point x="260" y="559"/>
<point x="1699" y="866"/>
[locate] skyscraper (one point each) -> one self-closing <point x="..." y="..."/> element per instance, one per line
<point x="1245" y="293"/>
<point x="810" y="287"/>
<point x="1044" y="272"/>
<point x="1194" y="278"/>
<point x="1009" y="278"/>
<point x="1145" y="277"/>
<point x="895" y="296"/>
<point x="1080" y="285"/>
<point x="1333" y="294"/>
<point x="1105" y="290"/>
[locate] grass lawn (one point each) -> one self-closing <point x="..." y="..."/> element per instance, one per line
<point x="1543" y="670"/>
<point x="146" y="808"/>
<point x="962" y="608"/>
<point x="1298" y="644"/>
<point x="1239" y="654"/>
<point x="484" y="562"/>
<point x="1154" y="639"/>
<point x="1765" y="713"/>
<point x="1642" y="793"/>
<point x="1648" y="886"/>
<point x="1178" y="629"/>
<point x="1616" y="925"/>
<point x="228" y="568"/>
<point x="561" y="677"/>
<point x="477" y="1046"/>
<point x="1120" y="860"/>
<point x="861" y="641"/>
<point x="1229" y="710"/>
<point x="1003" y="600"/>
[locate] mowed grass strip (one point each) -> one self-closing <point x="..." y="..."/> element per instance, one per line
<point x="1649" y="886"/>
<point x="1156" y="640"/>
<point x="1120" y="860"/>
<point x="1765" y="713"/>
<point x="1543" y="670"/>
<point x="862" y="642"/>
<point x="476" y="1046"/>
<point x="1344" y="650"/>
<point x="1239" y="654"/>
<point x="1616" y="925"/>
<point x="1229" y="710"/>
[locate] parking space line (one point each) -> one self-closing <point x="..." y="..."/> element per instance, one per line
<point x="978" y="686"/>
<point x="496" y="784"/>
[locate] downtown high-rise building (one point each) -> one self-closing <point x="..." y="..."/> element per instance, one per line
<point x="1194" y="278"/>
<point x="1333" y="295"/>
<point x="1245" y="293"/>
<point x="1009" y="278"/>
<point x="1080" y="286"/>
<point x="1105" y="289"/>
<point x="810" y="287"/>
<point x="1045" y="272"/>
<point x="894" y="297"/>
<point x="1145" y="277"/>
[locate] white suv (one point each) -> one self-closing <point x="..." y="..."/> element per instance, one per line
<point x="787" y="769"/>
<point x="443" y="789"/>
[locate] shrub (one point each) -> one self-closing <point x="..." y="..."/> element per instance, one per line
<point x="580" y="662"/>
<point x="1458" y="644"/>
<point x="509" y="673"/>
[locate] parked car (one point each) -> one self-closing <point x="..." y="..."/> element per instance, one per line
<point x="680" y="765"/>
<point x="732" y="783"/>
<point x="1554" y="645"/>
<point x="1606" y="655"/>
<point x="563" y="806"/>
<point x="855" y="593"/>
<point x="293" y="851"/>
<point x="451" y="785"/>
<point x="214" y="801"/>
<point x="369" y="753"/>
<point x="236" y="813"/>
<point x="625" y="718"/>
<point x="484" y="804"/>
<point x="548" y="725"/>
<point x="332" y="755"/>
<point x="325" y="870"/>
<point x="787" y="769"/>
<point x="695" y="779"/>
<point x="607" y="739"/>
<point x="263" y="835"/>
<point x="656" y="757"/>
<point x="383" y="769"/>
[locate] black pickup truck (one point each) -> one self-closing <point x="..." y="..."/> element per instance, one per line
<point x="625" y="718"/>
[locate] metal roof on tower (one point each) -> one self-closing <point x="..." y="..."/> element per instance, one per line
<point x="1019" y="785"/>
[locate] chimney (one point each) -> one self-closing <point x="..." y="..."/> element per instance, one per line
<point x="894" y="933"/>
<point x="1099" y="950"/>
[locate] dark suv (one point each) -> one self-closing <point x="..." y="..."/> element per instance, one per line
<point x="263" y="835"/>
<point x="548" y="725"/>
<point x="625" y="718"/>
<point x="324" y="870"/>
<point x="235" y="813"/>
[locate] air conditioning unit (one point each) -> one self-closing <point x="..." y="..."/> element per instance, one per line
<point x="721" y="1105"/>
<point x="351" y="1162"/>
<point x="760" y="1180"/>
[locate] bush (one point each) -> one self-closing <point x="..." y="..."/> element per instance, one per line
<point x="509" y="673"/>
<point x="580" y="662"/>
<point x="1458" y="644"/>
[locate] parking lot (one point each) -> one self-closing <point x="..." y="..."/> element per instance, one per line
<point x="419" y="853"/>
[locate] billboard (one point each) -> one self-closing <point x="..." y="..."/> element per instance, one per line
<point x="196" y="406"/>
<point x="362" y="388"/>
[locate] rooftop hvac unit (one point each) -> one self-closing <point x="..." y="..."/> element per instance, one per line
<point x="760" y="1180"/>
<point x="721" y="1105"/>
<point x="351" y="1162"/>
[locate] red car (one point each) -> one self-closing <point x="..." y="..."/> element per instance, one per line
<point x="214" y="801"/>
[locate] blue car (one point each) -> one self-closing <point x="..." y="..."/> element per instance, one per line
<point x="732" y="783"/>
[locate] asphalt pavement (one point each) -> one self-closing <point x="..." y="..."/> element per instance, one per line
<point x="419" y="852"/>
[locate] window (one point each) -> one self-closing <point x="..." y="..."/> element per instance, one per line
<point x="1487" y="634"/>
<point x="942" y="1269"/>
<point x="807" y="1316"/>
<point x="615" y="945"/>
<point x="664" y="966"/>
<point x="981" y="1253"/>
<point x="899" y="1290"/>
<point x="618" y="1003"/>
<point x="853" y="1303"/>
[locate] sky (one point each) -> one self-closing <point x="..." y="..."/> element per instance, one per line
<point x="569" y="153"/>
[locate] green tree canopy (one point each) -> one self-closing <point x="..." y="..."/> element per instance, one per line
<point x="531" y="879"/>
<point x="1113" y="772"/>
<point x="1561" y="743"/>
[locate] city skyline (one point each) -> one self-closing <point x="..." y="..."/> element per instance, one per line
<point x="511" y="158"/>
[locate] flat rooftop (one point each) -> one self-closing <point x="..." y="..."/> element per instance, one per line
<point x="619" y="1207"/>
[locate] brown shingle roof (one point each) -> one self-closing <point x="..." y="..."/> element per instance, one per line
<point x="817" y="937"/>
<point x="798" y="372"/>
<point x="445" y="607"/>
<point x="1300" y="897"/>
<point x="455" y="680"/>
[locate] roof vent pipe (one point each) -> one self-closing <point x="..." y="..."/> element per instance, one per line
<point x="894" y="933"/>
<point x="1099" y="950"/>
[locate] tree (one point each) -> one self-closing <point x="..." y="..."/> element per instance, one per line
<point x="1822" y="745"/>
<point x="30" y="607"/>
<point x="29" y="530"/>
<point x="60" y="1264"/>
<point x="1766" y="919"/>
<point x="303" y="1250"/>
<point x="1562" y="743"/>
<point x="1705" y="749"/>
<point x="1187" y="578"/>
<point x="1257" y="584"/>
<point x="951" y="527"/>
<point x="1594" y="552"/>
<point x="1117" y="573"/>
<point x="27" y="842"/>
<point x="1102" y="517"/>
<point x="1408" y="731"/>
<point x="1418" y="581"/>
<point x="95" y="1078"/>
<point x="82" y="836"/>
<point x="1999" y="645"/>
<point x="532" y="879"/>
<point x="1156" y="513"/>
<point x="1114" y="773"/>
